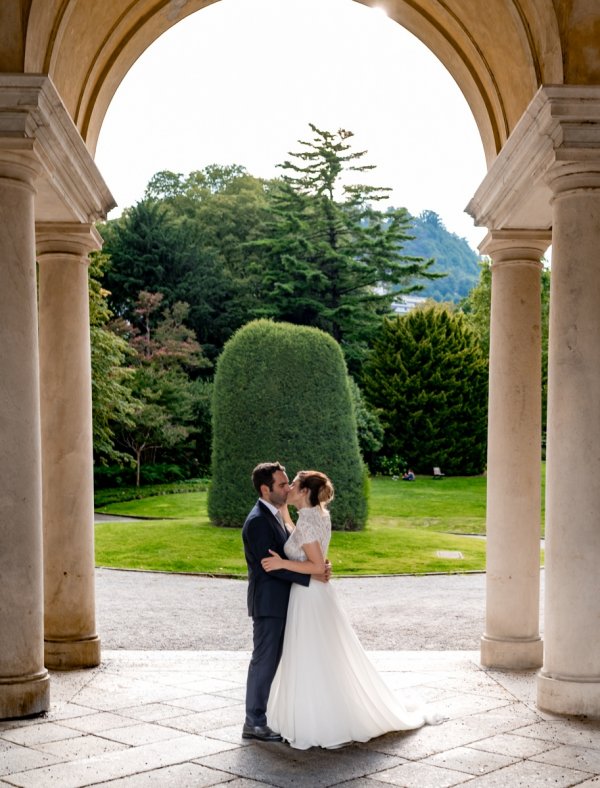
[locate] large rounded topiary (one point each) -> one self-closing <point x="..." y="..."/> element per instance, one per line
<point x="282" y="393"/>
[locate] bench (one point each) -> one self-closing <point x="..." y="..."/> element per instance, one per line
<point x="437" y="474"/>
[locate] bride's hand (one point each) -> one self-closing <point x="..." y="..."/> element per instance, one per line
<point x="273" y="562"/>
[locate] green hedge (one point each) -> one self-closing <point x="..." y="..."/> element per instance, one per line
<point x="117" y="494"/>
<point x="282" y="393"/>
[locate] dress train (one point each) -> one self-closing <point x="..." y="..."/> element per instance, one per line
<point x="326" y="691"/>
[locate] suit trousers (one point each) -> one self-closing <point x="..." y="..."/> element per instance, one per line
<point x="268" y="644"/>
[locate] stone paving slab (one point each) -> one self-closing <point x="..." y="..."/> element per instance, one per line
<point x="174" y="719"/>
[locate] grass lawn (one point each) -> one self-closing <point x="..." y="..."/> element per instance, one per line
<point x="409" y="523"/>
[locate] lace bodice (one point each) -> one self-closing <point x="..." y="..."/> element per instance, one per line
<point x="314" y="525"/>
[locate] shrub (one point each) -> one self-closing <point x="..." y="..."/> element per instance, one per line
<point x="107" y="476"/>
<point x="391" y="466"/>
<point x="119" y="494"/>
<point x="282" y="393"/>
<point x="427" y="376"/>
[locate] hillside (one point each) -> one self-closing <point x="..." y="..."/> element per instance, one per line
<point x="452" y="254"/>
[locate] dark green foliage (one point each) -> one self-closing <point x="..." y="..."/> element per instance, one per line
<point x="143" y="247"/>
<point x="329" y="257"/>
<point x="453" y="257"/>
<point x="282" y="393"/>
<point x="155" y="473"/>
<point x="368" y="426"/>
<point x="186" y="240"/>
<point x="104" y="497"/>
<point x="428" y="378"/>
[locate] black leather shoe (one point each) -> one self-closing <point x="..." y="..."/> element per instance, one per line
<point x="260" y="732"/>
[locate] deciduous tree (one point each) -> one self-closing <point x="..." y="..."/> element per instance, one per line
<point x="166" y="399"/>
<point x="112" y="399"/>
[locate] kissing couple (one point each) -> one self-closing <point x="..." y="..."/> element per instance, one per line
<point x="309" y="677"/>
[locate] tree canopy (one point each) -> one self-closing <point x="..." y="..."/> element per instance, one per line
<point x="186" y="239"/>
<point x="203" y="254"/>
<point x="329" y="257"/>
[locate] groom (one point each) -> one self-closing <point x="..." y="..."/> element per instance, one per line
<point x="268" y="593"/>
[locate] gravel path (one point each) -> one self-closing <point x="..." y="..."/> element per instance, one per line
<point x="156" y="611"/>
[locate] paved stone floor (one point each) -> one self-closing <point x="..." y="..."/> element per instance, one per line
<point x="173" y="718"/>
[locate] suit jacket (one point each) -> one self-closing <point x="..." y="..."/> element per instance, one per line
<point x="268" y="592"/>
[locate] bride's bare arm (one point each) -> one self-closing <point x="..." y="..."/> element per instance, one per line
<point x="314" y="565"/>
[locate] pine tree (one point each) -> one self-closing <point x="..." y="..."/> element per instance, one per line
<point x="330" y="257"/>
<point x="428" y="378"/>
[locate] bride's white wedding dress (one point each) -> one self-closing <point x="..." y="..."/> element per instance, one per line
<point x="326" y="691"/>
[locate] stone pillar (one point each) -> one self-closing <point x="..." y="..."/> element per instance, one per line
<point x="511" y="638"/>
<point x="24" y="684"/>
<point x="569" y="682"/>
<point x="66" y="408"/>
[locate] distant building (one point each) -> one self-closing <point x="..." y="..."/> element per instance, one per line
<point x="407" y="302"/>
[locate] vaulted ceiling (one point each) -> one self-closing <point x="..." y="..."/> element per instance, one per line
<point x="499" y="52"/>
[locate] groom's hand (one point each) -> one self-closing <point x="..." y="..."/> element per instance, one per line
<point x="274" y="561"/>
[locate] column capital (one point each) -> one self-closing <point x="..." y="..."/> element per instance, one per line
<point x="20" y="164"/>
<point x="34" y="121"/>
<point x="61" y="239"/>
<point x="525" y="247"/>
<point x="558" y="135"/>
<point x="565" y="176"/>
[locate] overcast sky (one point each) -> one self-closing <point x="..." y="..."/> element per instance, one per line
<point x="239" y="81"/>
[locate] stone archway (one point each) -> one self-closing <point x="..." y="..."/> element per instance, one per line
<point x="530" y="71"/>
<point x="110" y="38"/>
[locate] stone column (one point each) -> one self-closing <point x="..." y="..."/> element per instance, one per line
<point x="569" y="682"/>
<point x="24" y="684"/>
<point x="511" y="638"/>
<point x="66" y="407"/>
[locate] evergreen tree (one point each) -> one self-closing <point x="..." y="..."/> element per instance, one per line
<point x="142" y="246"/>
<point x="281" y="393"/>
<point x="330" y="257"/>
<point x="427" y="377"/>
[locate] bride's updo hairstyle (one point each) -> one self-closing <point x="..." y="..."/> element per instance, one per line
<point x="319" y="485"/>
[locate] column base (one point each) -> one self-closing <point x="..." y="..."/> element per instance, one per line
<point x="72" y="654"/>
<point x="569" y="696"/>
<point x="24" y="696"/>
<point x="512" y="654"/>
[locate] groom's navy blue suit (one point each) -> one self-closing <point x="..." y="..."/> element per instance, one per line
<point x="268" y="596"/>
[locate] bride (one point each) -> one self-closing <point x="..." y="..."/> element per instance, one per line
<point x="326" y="692"/>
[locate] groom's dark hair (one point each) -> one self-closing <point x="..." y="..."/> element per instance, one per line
<point x="263" y="474"/>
